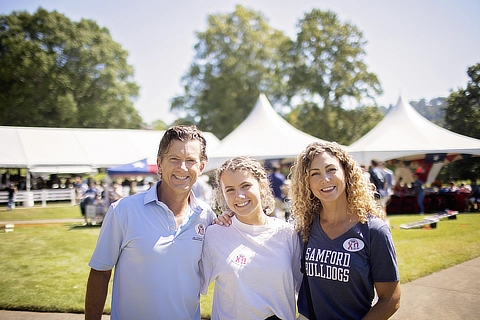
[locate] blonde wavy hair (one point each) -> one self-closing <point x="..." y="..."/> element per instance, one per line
<point x="360" y="192"/>
<point x="258" y="171"/>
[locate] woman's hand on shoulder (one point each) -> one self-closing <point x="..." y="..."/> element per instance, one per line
<point x="225" y="219"/>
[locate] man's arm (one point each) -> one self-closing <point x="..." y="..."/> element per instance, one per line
<point x="97" y="289"/>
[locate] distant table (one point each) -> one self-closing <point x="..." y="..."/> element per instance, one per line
<point x="433" y="202"/>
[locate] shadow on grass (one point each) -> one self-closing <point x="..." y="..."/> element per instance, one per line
<point x="85" y="226"/>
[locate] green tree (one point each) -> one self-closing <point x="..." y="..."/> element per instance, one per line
<point x="59" y="73"/>
<point x="433" y="110"/>
<point x="237" y="57"/>
<point x="159" y="125"/>
<point x="462" y="116"/>
<point x="350" y="125"/>
<point x="329" y="73"/>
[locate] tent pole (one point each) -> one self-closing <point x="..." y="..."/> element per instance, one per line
<point x="27" y="180"/>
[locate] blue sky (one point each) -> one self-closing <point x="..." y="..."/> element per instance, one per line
<point x="419" y="49"/>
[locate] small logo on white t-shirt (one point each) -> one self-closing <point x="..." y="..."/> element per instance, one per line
<point x="240" y="259"/>
<point x="353" y="245"/>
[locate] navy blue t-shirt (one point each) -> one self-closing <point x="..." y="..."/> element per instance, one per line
<point x="342" y="271"/>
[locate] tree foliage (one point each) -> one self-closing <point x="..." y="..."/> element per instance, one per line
<point x="328" y="73"/>
<point x="328" y="57"/>
<point x="462" y="116"/>
<point x="463" y="111"/>
<point x="240" y="56"/>
<point x="236" y="58"/>
<point x="345" y="126"/>
<point x="433" y="110"/>
<point x="59" y="73"/>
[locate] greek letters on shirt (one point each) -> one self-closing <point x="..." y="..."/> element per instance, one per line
<point x="329" y="264"/>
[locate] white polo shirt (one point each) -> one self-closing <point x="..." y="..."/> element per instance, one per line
<point x="156" y="266"/>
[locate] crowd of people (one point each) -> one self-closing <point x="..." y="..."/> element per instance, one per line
<point x="334" y="258"/>
<point x="87" y="190"/>
<point x="406" y="182"/>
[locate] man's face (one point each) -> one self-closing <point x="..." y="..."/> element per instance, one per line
<point x="181" y="165"/>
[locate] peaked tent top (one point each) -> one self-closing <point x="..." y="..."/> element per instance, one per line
<point x="264" y="134"/>
<point x="405" y="134"/>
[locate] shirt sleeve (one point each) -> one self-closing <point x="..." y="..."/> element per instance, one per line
<point x="109" y="243"/>
<point x="206" y="267"/>
<point x="383" y="258"/>
<point x="296" y="263"/>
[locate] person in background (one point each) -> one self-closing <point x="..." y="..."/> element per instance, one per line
<point x="389" y="178"/>
<point x="399" y="189"/>
<point x="377" y="177"/>
<point x="419" y="193"/>
<point x="277" y="181"/>
<point x="133" y="187"/>
<point x="403" y="171"/>
<point x="463" y="188"/>
<point x="255" y="262"/>
<point x="154" y="240"/>
<point x="348" y="252"/>
<point x="80" y="188"/>
<point x="389" y="184"/>
<point x="12" y="190"/>
<point x="473" y="197"/>
<point x="202" y="188"/>
<point x="89" y="196"/>
<point x="365" y="172"/>
<point x="452" y="187"/>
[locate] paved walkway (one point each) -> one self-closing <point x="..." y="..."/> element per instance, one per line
<point x="453" y="293"/>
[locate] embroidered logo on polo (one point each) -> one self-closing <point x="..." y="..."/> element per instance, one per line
<point x="353" y="244"/>
<point x="200" y="229"/>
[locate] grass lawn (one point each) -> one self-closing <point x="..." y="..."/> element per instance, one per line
<point x="44" y="268"/>
<point x="56" y="211"/>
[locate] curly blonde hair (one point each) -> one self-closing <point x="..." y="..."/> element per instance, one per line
<point x="258" y="171"/>
<point x="360" y="192"/>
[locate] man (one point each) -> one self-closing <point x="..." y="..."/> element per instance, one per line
<point x="154" y="239"/>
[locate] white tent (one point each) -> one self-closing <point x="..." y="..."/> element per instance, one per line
<point x="404" y="134"/>
<point x="264" y="134"/>
<point x="66" y="150"/>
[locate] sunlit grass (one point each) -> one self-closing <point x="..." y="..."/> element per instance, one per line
<point x="424" y="251"/>
<point x="56" y="211"/>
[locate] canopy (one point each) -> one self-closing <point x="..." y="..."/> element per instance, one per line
<point x="67" y="150"/>
<point x="404" y="134"/>
<point x="264" y="134"/>
<point x="137" y="168"/>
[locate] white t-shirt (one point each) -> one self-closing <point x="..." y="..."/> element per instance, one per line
<point x="256" y="269"/>
<point x="156" y="264"/>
